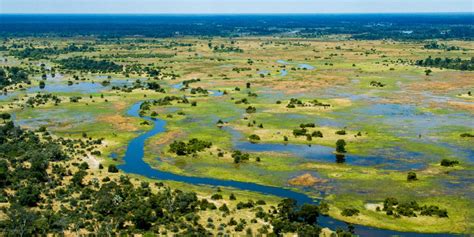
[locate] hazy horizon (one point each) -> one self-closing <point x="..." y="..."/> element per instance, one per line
<point x="233" y="7"/>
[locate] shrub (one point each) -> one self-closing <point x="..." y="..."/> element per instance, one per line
<point x="254" y="137"/>
<point x="467" y="135"/>
<point x="112" y="169"/>
<point x="411" y="176"/>
<point x="341" y="146"/>
<point x="350" y="212"/>
<point x="447" y="162"/>
<point x="216" y="196"/>
<point x="317" y="134"/>
<point x="251" y="109"/>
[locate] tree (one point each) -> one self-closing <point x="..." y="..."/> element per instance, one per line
<point x="254" y="138"/>
<point x="317" y="134"/>
<point x="143" y="216"/>
<point x="19" y="222"/>
<point x="251" y="109"/>
<point x="239" y="156"/>
<point x="411" y="176"/>
<point x="28" y="195"/>
<point x="78" y="177"/>
<point x="447" y="162"/>
<point x="350" y="212"/>
<point x="112" y="169"/>
<point x="428" y="72"/>
<point x="309" y="213"/>
<point x="341" y="146"/>
<point x="287" y="209"/>
<point x="5" y="116"/>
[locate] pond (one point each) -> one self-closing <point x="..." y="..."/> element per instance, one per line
<point x="325" y="154"/>
<point x="304" y="66"/>
<point x="53" y="86"/>
<point x="180" y="85"/>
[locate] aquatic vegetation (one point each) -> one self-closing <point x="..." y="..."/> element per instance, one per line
<point x="377" y="120"/>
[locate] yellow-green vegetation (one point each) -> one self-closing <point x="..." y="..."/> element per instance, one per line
<point x="284" y="118"/>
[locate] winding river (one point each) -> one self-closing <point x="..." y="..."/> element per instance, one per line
<point x="134" y="164"/>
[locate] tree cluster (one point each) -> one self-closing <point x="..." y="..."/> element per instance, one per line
<point x="193" y="146"/>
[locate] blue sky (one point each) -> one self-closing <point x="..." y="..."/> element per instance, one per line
<point x="234" y="6"/>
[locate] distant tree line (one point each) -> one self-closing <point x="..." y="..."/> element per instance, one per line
<point x="448" y="63"/>
<point x="363" y="27"/>
<point x="89" y="65"/>
<point x="43" y="53"/>
<point x="436" y="45"/>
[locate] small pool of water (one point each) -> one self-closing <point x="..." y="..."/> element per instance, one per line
<point x="53" y="86"/>
<point x="78" y="87"/>
<point x="300" y="65"/>
<point x="180" y="85"/>
<point x="55" y="117"/>
<point x="177" y="86"/>
<point x="305" y="66"/>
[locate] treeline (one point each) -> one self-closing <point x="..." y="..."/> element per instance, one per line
<point x="41" y="99"/>
<point x="411" y="32"/>
<point x="359" y="26"/>
<point x="12" y="75"/>
<point x="226" y="49"/>
<point x="136" y="55"/>
<point x="90" y="65"/>
<point x="391" y="206"/>
<point x="436" y="45"/>
<point x="448" y="63"/>
<point x="43" y="53"/>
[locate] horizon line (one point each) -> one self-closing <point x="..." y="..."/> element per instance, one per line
<point x="228" y="13"/>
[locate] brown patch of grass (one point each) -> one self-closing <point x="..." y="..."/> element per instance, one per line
<point x="304" y="85"/>
<point x="444" y="82"/>
<point x="120" y="122"/>
<point x="167" y="137"/>
<point x="120" y="105"/>
<point x="463" y="106"/>
<point x="305" y="180"/>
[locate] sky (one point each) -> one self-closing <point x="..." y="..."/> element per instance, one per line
<point x="233" y="6"/>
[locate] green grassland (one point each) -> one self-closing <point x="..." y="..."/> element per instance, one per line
<point x="342" y="78"/>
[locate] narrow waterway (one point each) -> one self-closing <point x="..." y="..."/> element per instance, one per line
<point x="134" y="164"/>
